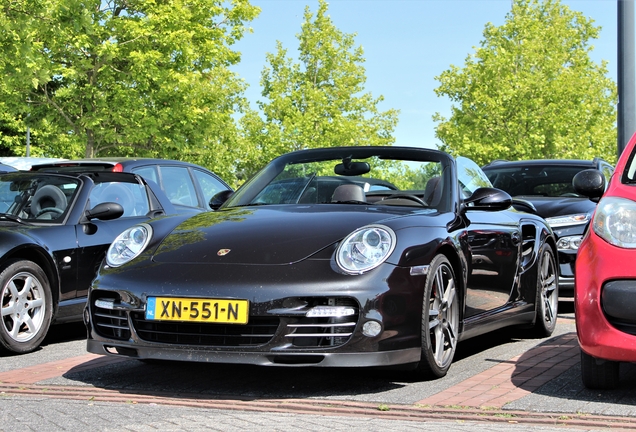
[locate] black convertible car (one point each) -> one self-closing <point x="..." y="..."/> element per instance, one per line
<point x="309" y="265"/>
<point x="54" y="232"/>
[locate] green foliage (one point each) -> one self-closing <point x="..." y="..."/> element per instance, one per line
<point x="127" y="77"/>
<point x="13" y="132"/>
<point x="317" y="102"/>
<point x="531" y="91"/>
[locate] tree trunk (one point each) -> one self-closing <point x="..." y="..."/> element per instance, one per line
<point x="90" y="144"/>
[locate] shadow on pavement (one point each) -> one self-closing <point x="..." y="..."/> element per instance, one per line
<point x="65" y="333"/>
<point x="250" y="382"/>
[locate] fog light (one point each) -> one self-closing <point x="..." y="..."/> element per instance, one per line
<point x="330" y="311"/>
<point x="371" y="328"/>
<point x="105" y="304"/>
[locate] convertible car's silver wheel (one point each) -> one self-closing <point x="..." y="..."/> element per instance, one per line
<point x="547" y="293"/>
<point x="26" y="306"/>
<point x="440" y="319"/>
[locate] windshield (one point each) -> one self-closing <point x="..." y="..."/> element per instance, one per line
<point x="325" y="177"/>
<point x="535" y="180"/>
<point x="36" y="197"/>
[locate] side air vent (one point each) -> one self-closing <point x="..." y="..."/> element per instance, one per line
<point x="108" y="321"/>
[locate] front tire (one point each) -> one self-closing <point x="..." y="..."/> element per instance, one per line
<point x="440" y="319"/>
<point x="547" y="299"/>
<point x="26" y="306"/>
<point x="599" y="374"/>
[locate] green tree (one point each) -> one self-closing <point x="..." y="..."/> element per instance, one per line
<point x="531" y="90"/>
<point x="44" y="140"/>
<point x="317" y="102"/>
<point x="128" y="77"/>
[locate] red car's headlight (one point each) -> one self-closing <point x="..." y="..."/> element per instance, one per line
<point x="615" y="222"/>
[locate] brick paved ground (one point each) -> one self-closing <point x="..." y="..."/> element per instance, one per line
<point x="480" y="398"/>
<point x="511" y="380"/>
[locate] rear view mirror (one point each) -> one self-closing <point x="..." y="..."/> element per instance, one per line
<point x="352" y="168"/>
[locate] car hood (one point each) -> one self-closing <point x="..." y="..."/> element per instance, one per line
<point x="559" y="206"/>
<point x="265" y="235"/>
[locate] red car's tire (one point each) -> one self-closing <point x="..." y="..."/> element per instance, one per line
<point x="598" y="373"/>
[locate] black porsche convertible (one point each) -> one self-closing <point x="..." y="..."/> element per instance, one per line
<point x="311" y="263"/>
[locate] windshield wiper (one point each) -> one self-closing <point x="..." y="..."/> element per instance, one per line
<point x="249" y="205"/>
<point x="346" y="202"/>
<point x="12" y="218"/>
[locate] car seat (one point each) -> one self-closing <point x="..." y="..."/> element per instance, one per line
<point x="48" y="199"/>
<point x="348" y="192"/>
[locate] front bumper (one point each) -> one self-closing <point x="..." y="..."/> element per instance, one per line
<point x="279" y="330"/>
<point x="567" y="258"/>
<point x="605" y="300"/>
<point x="369" y="359"/>
<point x="567" y="263"/>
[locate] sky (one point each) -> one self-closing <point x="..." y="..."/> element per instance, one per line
<point x="407" y="43"/>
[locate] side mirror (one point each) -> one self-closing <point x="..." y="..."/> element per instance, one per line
<point x="219" y="198"/>
<point x="489" y="199"/>
<point x="589" y="183"/>
<point x="105" y="211"/>
<point x="524" y="205"/>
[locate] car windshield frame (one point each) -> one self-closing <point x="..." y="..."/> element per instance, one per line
<point x="399" y="166"/>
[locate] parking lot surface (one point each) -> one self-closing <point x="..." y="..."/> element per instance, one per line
<point x="498" y="382"/>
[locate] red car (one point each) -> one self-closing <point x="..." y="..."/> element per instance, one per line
<point x="605" y="281"/>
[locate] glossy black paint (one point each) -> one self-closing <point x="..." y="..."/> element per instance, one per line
<point x="280" y="257"/>
<point x="529" y="174"/>
<point x="70" y="250"/>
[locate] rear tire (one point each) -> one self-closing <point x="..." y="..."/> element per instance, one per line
<point x="26" y="306"/>
<point x="599" y="374"/>
<point x="440" y="319"/>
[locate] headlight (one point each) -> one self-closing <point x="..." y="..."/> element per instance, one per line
<point x="569" y="243"/>
<point x="128" y="245"/>
<point x="365" y="249"/>
<point x="615" y="222"/>
<point x="575" y="219"/>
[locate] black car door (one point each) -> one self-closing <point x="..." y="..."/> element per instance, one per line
<point x="494" y="254"/>
<point x="494" y="243"/>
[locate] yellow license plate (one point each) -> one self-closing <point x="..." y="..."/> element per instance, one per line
<point x="196" y="309"/>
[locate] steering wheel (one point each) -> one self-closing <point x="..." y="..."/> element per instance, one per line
<point x="49" y="210"/>
<point x="408" y="197"/>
